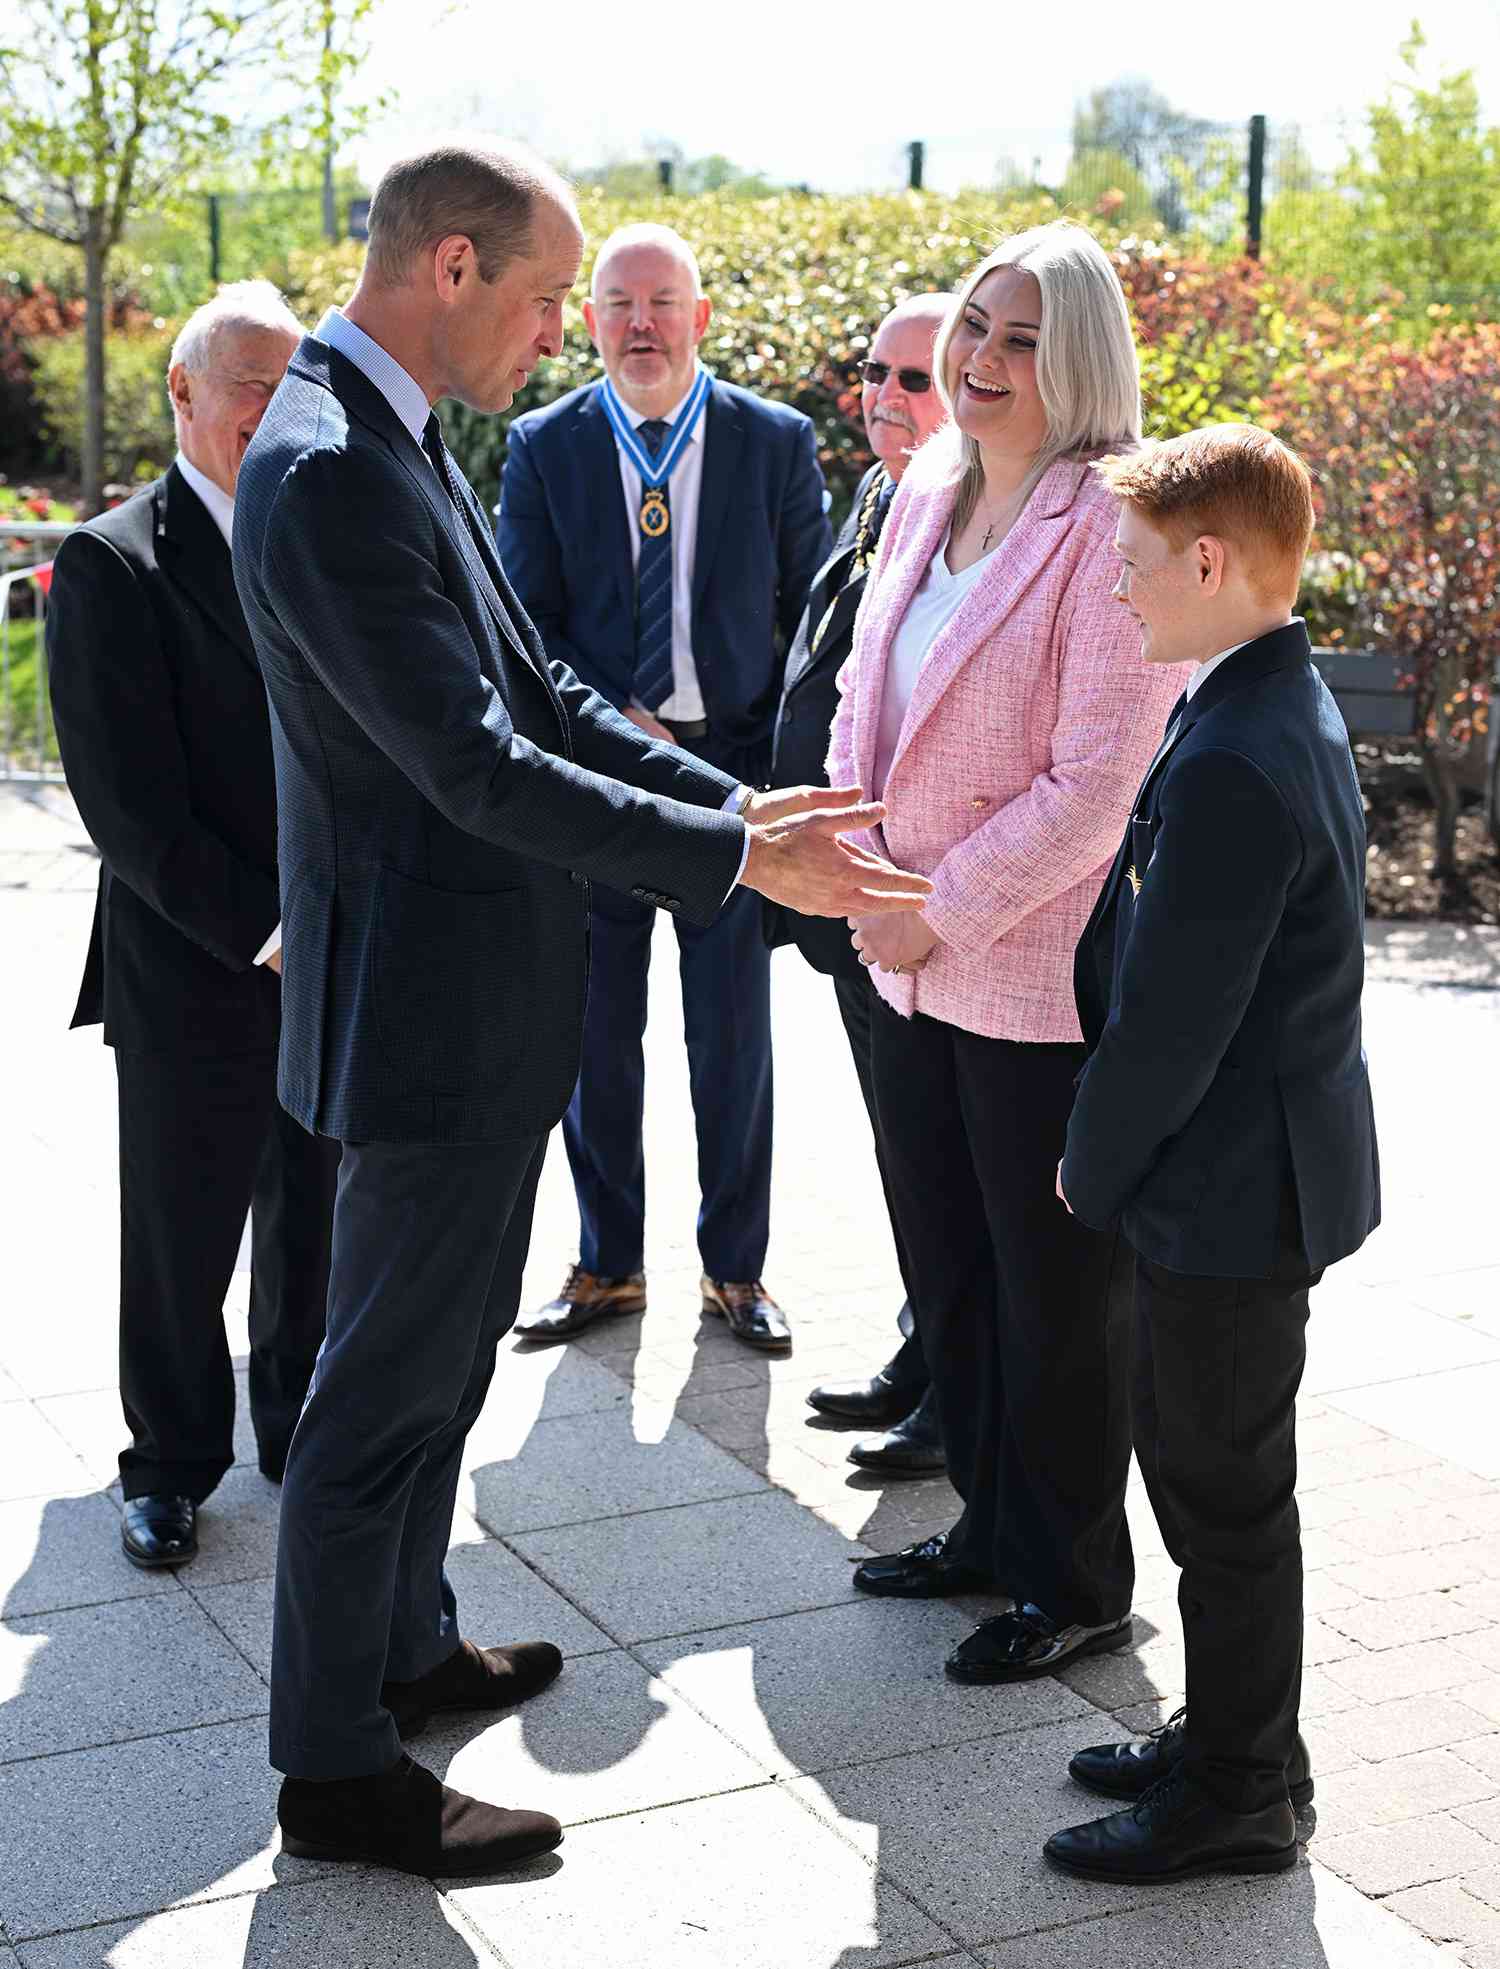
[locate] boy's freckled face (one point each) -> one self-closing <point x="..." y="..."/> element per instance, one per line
<point x="1160" y="586"/>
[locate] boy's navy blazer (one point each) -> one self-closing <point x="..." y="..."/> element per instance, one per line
<point x="1218" y="985"/>
<point x="762" y="535"/>
<point x="444" y="793"/>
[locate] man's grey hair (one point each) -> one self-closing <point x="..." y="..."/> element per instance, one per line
<point x="485" y="191"/>
<point x="648" y="234"/>
<point x="242" y="304"/>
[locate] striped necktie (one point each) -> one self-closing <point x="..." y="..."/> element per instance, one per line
<point x="651" y="682"/>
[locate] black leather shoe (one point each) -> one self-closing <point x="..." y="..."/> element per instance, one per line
<point x="1025" y="1643"/>
<point x="159" y="1531"/>
<point x="752" y="1314"/>
<point x="912" y="1449"/>
<point x="1176" y="1832"/>
<point x="1127" y="1770"/>
<point x="406" y="1819"/>
<point x="918" y="1572"/>
<point x="877" y="1403"/>
<point x="473" y="1678"/>
<point x="585" y="1297"/>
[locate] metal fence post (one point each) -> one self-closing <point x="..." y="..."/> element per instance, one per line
<point x="916" y="154"/>
<point x="213" y="237"/>
<point x="1255" y="204"/>
<point x="664" y="173"/>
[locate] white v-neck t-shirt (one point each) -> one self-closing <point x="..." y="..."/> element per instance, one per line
<point x="928" y="613"/>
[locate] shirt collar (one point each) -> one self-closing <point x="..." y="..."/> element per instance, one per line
<point x="220" y="503"/>
<point x="401" y="391"/>
<point x="1206" y="670"/>
<point x="636" y="418"/>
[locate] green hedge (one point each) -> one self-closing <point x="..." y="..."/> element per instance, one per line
<point x="139" y="440"/>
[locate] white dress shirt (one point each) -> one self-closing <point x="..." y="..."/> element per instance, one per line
<point x="928" y="613"/>
<point x="1205" y="670"/>
<point x="220" y="503"/>
<point x="685" y="703"/>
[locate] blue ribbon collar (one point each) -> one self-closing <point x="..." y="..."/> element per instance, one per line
<point x="656" y="471"/>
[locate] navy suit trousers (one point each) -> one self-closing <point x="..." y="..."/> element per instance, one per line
<point x="726" y="1003"/>
<point x="428" y="1247"/>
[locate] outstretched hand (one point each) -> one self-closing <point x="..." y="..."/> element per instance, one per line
<point x="798" y="857"/>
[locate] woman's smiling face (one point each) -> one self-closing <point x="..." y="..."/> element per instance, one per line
<point x="992" y="364"/>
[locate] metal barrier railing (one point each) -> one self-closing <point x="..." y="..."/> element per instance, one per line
<point x="28" y="739"/>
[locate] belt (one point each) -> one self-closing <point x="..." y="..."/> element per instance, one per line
<point x="687" y="727"/>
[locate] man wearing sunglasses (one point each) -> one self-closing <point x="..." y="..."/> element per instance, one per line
<point x="901" y="410"/>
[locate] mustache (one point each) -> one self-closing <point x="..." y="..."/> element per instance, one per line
<point x="893" y="417"/>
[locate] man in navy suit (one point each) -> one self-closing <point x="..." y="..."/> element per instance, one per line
<point x="1224" y="1124"/>
<point x="445" y="795"/>
<point x="662" y="531"/>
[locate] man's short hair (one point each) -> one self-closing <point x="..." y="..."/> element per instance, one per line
<point x="242" y="304"/>
<point x="1233" y="481"/>
<point x="487" y="192"/>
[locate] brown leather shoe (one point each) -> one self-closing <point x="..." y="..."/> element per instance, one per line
<point x="752" y="1314"/>
<point x="407" y="1819"/>
<point x="473" y="1678"/>
<point x="585" y="1297"/>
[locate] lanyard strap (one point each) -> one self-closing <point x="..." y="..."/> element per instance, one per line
<point x="656" y="471"/>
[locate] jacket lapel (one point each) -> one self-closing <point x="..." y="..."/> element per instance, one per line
<point x="600" y="512"/>
<point x="1017" y="562"/>
<point x="723" y="440"/>
<point x="193" y="554"/>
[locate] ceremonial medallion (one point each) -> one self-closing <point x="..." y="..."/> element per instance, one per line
<point x="655" y="515"/>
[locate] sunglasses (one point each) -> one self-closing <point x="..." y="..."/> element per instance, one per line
<point x="913" y="381"/>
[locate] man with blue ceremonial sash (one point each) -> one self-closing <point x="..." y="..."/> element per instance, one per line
<point x="676" y="597"/>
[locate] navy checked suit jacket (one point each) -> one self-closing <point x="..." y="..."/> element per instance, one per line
<point x="444" y="795"/>
<point x="1218" y="985"/>
<point x="762" y="535"/>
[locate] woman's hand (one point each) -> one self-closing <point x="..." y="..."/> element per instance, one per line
<point x="900" y="944"/>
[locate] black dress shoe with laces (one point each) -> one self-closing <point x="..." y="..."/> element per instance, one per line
<point x="1176" y="1832"/>
<point x="876" y="1403"/>
<point x="750" y="1312"/>
<point x="406" y="1818"/>
<point x="914" y="1448"/>
<point x="918" y="1572"/>
<point x="1025" y="1643"/>
<point x="1127" y="1770"/>
<point x="159" y="1531"/>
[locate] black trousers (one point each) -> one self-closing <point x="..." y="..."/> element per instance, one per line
<point x="857" y="1002"/>
<point x="1217" y="1366"/>
<point x="203" y="1141"/>
<point x="1027" y="1343"/>
<point x="428" y="1249"/>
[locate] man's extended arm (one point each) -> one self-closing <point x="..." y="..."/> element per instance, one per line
<point x="1209" y="906"/>
<point x="112" y="700"/>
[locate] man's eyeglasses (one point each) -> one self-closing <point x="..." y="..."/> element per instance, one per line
<point x="913" y="381"/>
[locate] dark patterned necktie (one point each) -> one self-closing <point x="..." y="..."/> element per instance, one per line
<point x="651" y="683"/>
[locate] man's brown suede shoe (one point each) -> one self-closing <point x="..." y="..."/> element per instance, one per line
<point x="585" y="1297"/>
<point x="473" y="1678"/>
<point x="406" y="1818"/>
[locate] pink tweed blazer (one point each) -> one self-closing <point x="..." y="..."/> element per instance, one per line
<point x="1028" y="733"/>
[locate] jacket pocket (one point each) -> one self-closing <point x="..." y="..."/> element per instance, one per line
<point x="455" y="980"/>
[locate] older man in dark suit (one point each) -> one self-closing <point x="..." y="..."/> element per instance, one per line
<point x="901" y="409"/>
<point x="446" y="795"/>
<point x="1224" y="1123"/>
<point x="662" y="529"/>
<point x="162" y="720"/>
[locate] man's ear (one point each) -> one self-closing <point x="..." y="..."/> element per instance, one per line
<point x="591" y="321"/>
<point x="453" y="264"/>
<point x="1211" y="560"/>
<point x="180" y="389"/>
<point x="703" y="307"/>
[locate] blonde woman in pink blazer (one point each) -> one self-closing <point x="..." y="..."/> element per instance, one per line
<point x="996" y="700"/>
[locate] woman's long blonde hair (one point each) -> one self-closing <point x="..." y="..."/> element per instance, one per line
<point x="1086" y="366"/>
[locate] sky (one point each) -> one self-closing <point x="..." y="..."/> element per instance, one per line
<point x="831" y="95"/>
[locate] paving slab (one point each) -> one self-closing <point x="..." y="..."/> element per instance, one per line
<point x="748" y="1880"/>
<point x="923" y="1818"/>
<point x="607" y="1738"/>
<point x="1384" y="1859"/>
<point x="92" y="1422"/>
<point x="96" y="1675"/>
<point x="143" y="1825"/>
<point x="357" y="1919"/>
<point x="578" y="1468"/>
<point x="810" y="1691"/>
<point x="34" y="1459"/>
<point x="1450" y="1413"/>
<point x="499" y="1597"/>
<point x="65" y="1552"/>
<point x="237" y="1530"/>
<point x="1307" y="1919"/>
<point x="1359" y="1342"/>
<point x="696" y="1567"/>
